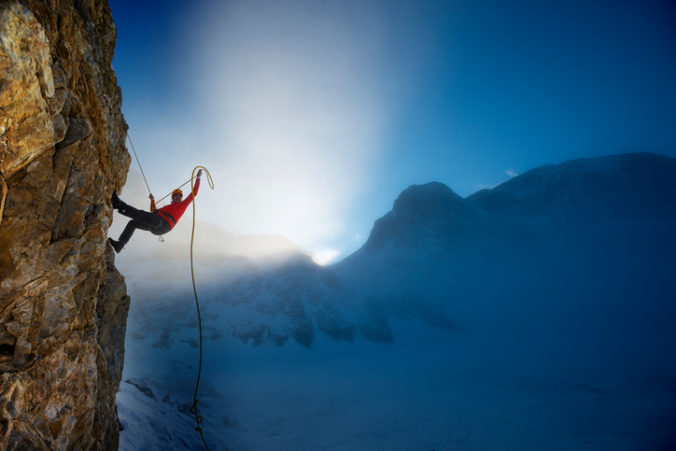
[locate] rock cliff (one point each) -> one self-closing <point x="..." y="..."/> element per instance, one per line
<point x="63" y="305"/>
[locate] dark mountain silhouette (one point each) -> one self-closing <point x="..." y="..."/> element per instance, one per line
<point x="637" y="186"/>
<point x="577" y="255"/>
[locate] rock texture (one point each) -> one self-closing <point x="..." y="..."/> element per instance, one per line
<point x="63" y="305"/>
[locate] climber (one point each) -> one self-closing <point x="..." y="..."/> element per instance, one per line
<point x="158" y="221"/>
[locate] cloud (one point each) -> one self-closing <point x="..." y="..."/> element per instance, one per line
<point x="511" y="172"/>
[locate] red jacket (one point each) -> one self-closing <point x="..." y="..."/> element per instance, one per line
<point x="173" y="212"/>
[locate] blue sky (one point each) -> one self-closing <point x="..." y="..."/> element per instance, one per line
<point x="314" y="116"/>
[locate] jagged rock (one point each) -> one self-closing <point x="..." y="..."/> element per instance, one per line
<point x="26" y="126"/>
<point x="63" y="305"/>
<point x="77" y="129"/>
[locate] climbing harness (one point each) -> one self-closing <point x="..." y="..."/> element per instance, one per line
<point x="194" y="409"/>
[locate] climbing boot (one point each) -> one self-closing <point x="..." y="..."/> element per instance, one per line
<point x="116" y="245"/>
<point x="116" y="201"/>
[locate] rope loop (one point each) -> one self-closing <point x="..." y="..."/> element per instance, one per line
<point x="192" y="179"/>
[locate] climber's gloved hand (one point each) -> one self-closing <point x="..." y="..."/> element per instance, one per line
<point x="151" y="197"/>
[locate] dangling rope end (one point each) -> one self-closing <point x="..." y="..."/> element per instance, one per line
<point x="194" y="410"/>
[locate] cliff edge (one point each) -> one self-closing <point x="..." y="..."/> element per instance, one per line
<point x="63" y="305"/>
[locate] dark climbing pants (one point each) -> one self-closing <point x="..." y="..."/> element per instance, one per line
<point x="143" y="220"/>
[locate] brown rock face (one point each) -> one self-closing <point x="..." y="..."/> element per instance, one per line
<point x="63" y="305"/>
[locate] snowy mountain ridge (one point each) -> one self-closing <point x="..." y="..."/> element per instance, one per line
<point x="437" y="256"/>
<point x="420" y="257"/>
<point x="626" y="185"/>
<point x="512" y="293"/>
<point x="635" y="185"/>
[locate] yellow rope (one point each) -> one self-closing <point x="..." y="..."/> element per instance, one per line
<point x="194" y="410"/>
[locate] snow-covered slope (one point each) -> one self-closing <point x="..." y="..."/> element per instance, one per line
<point x="267" y="300"/>
<point x="553" y="289"/>
<point x="262" y="288"/>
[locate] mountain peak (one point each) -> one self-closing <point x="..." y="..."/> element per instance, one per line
<point x="634" y="185"/>
<point x="430" y="199"/>
<point x="418" y="211"/>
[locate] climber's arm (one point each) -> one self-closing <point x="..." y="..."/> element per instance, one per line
<point x="195" y="189"/>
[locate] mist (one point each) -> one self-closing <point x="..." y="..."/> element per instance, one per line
<point x="291" y="128"/>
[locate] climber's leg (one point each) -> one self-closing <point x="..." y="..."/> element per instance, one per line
<point x="150" y="219"/>
<point x="129" y="231"/>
